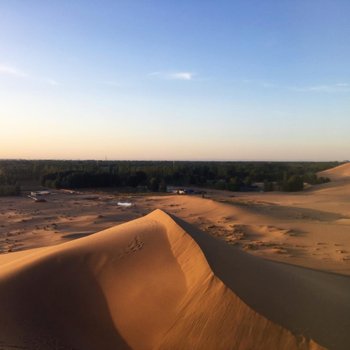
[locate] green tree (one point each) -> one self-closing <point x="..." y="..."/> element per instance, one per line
<point x="294" y="183"/>
<point x="153" y="184"/>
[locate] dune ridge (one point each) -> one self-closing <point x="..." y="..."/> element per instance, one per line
<point x="340" y="172"/>
<point x="145" y="284"/>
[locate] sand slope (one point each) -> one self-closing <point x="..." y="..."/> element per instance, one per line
<point x="147" y="284"/>
<point x="309" y="229"/>
<point x="341" y="172"/>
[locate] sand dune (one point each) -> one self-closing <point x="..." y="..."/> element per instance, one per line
<point x="309" y="229"/>
<point x="341" y="172"/>
<point x="159" y="283"/>
<point x="147" y="284"/>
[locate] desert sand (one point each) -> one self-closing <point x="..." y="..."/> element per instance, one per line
<point x="230" y="271"/>
<point x="339" y="173"/>
<point x="147" y="285"/>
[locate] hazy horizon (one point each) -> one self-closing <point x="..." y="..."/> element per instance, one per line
<point x="191" y="80"/>
<point x="175" y="160"/>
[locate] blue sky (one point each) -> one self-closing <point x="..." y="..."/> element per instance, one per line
<point x="223" y="80"/>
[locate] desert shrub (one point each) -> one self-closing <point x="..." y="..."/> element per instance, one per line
<point x="293" y="184"/>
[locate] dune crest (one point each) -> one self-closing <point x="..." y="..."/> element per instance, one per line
<point x="145" y="284"/>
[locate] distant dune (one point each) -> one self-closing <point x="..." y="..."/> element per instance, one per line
<point x="341" y="172"/>
<point x="147" y="284"/>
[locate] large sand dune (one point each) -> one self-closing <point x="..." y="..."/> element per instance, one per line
<point x="156" y="283"/>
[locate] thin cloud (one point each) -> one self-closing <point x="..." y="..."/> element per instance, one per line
<point x="173" y="75"/>
<point x="17" y="73"/>
<point x="260" y="83"/>
<point x="51" y="82"/>
<point x="328" y="88"/>
<point x="9" y="70"/>
<point x="154" y="74"/>
<point x="181" y="76"/>
<point x="343" y="85"/>
<point x="325" y="88"/>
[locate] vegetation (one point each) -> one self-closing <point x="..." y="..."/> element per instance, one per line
<point x="156" y="175"/>
<point x="10" y="190"/>
<point x="8" y="184"/>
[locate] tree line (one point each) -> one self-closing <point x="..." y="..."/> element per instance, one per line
<point x="157" y="175"/>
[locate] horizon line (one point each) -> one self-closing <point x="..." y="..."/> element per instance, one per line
<point x="172" y="160"/>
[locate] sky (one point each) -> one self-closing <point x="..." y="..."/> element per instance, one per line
<point x="175" y="80"/>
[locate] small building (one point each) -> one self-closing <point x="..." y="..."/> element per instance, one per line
<point x="39" y="193"/>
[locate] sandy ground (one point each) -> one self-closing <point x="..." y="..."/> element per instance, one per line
<point x="26" y="224"/>
<point x="310" y="229"/>
<point x="81" y="272"/>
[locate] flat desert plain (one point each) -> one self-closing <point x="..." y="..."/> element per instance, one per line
<point x="228" y="271"/>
